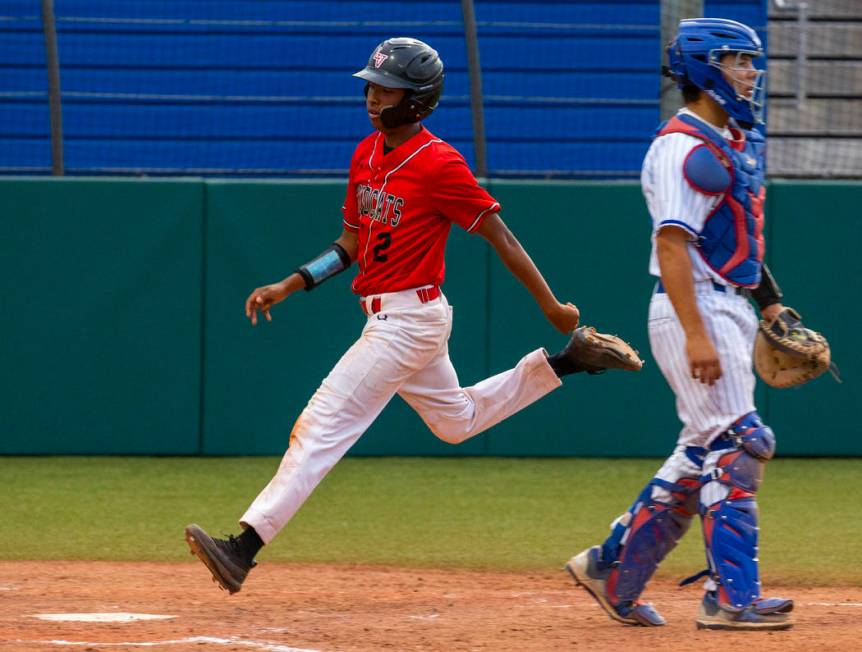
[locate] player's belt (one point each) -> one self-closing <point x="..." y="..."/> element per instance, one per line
<point x="718" y="287"/>
<point x="374" y="304"/>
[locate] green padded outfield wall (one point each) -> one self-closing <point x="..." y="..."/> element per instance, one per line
<point x="124" y="331"/>
<point x="100" y="327"/>
<point x="817" y="235"/>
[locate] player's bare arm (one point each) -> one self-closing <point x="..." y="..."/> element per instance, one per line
<point x="264" y="298"/>
<point x="564" y="317"/>
<point x="676" y="276"/>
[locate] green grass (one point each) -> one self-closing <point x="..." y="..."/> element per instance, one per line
<point x="496" y="513"/>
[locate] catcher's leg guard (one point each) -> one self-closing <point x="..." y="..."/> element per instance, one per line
<point x="642" y="537"/>
<point x="616" y="572"/>
<point x="729" y="513"/>
<point x="587" y="571"/>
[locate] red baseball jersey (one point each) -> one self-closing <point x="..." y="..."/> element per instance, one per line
<point x="402" y="205"/>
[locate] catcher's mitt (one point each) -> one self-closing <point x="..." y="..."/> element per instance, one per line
<point x="786" y="353"/>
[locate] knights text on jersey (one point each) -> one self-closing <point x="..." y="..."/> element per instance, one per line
<point x="402" y="205"/>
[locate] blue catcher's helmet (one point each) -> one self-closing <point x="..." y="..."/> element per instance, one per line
<point x="694" y="58"/>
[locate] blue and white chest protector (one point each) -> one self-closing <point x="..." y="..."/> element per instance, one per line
<point x="731" y="241"/>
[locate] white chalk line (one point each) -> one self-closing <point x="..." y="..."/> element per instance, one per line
<point x="108" y="617"/>
<point x="258" y="645"/>
<point x="545" y="602"/>
<point x="833" y="604"/>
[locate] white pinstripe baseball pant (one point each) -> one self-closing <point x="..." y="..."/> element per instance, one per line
<point x="732" y="324"/>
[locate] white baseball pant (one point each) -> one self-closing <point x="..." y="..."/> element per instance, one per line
<point x="732" y="325"/>
<point x="403" y="349"/>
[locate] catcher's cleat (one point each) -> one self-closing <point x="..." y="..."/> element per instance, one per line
<point x="594" y="352"/>
<point x="223" y="558"/>
<point x="584" y="568"/>
<point x="714" y="616"/>
<point x="773" y="605"/>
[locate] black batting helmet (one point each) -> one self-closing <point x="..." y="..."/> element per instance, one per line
<point x="410" y="64"/>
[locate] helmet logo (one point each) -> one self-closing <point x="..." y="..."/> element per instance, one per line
<point x="379" y="58"/>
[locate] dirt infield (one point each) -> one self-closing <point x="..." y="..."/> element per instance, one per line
<point x="286" y="607"/>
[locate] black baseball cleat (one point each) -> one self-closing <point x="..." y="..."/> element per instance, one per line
<point x="223" y="558"/>
<point x="594" y="352"/>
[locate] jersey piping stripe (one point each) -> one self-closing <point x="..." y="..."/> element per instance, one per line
<point x="352" y="226"/>
<point x="479" y="217"/>
<point x="370" y="167"/>
<point x="678" y="223"/>
<point x="373" y="149"/>
<point x="383" y="187"/>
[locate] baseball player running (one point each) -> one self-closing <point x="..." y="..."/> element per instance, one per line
<point x="703" y="183"/>
<point x="406" y="188"/>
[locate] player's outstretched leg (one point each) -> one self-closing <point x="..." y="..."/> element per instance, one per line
<point x="616" y="573"/>
<point x="594" y="352"/>
<point x="229" y="560"/>
<point x="728" y="510"/>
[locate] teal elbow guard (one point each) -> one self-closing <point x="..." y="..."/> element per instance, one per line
<point x="332" y="261"/>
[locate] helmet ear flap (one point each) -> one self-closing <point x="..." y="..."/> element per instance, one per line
<point x="409" y="110"/>
<point x="415" y="106"/>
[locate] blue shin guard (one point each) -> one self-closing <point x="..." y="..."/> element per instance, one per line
<point x="729" y="511"/>
<point x="643" y="536"/>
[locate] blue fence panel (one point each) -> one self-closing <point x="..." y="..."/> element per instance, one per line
<point x="572" y="74"/>
<point x="265" y="86"/>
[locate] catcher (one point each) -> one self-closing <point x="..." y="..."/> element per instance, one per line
<point x="702" y="179"/>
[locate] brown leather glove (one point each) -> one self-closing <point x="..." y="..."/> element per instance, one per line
<point x="786" y="353"/>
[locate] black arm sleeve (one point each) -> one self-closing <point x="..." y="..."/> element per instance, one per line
<point x="330" y="262"/>
<point x="768" y="292"/>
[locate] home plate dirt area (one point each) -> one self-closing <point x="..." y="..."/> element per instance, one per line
<point x="106" y="606"/>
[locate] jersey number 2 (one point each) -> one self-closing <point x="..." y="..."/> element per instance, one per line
<point x="385" y="240"/>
